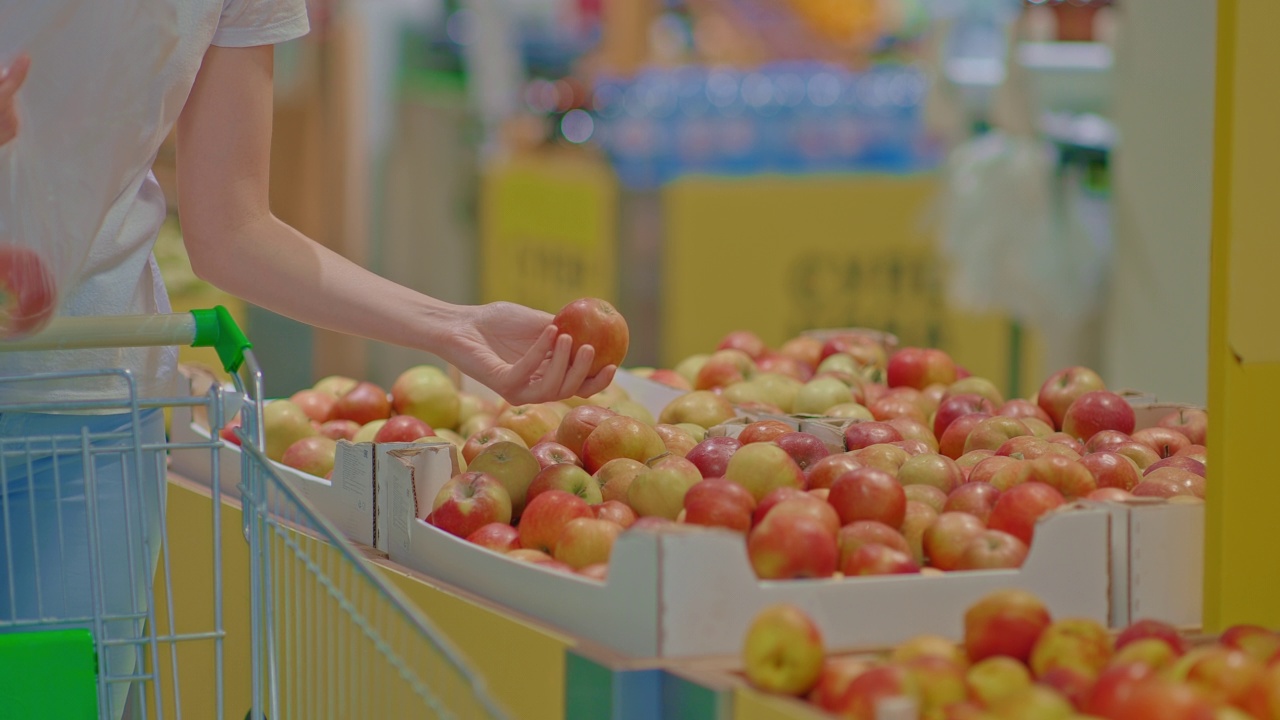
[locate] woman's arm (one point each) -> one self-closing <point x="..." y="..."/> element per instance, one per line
<point x="224" y="148"/>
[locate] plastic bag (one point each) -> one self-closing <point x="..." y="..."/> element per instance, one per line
<point x="85" y="128"/>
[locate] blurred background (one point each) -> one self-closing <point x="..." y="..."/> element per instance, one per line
<point x="1024" y="183"/>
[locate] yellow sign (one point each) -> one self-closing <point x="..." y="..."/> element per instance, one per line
<point x="781" y="255"/>
<point x="548" y="228"/>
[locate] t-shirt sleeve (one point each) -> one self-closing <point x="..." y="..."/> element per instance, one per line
<point x="248" y="23"/>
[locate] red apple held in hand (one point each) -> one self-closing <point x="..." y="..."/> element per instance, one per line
<point x="746" y="341"/>
<point x="920" y="367"/>
<point x="783" y="652"/>
<point x="1005" y="622"/>
<point x="859" y="435"/>
<point x="403" y="429"/>
<point x="716" y="502"/>
<point x="1020" y="409"/>
<point x="873" y="559"/>
<point x="497" y="536"/>
<point x="711" y="456"/>
<point x="957" y="406"/>
<point x="364" y="403"/>
<point x="317" y="405"/>
<point x="485" y="439"/>
<point x="619" y="437"/>
<point x="595" y="322"/>
<point x="586" y="541"/>
<point x="977" y="499"/>
<point x="863" y="532"/>
<point x="1019" y="507"/>
<point x="569" y="478"/>
<point x="993" y="550"/>
<point x="868" y="494"/>
<point x="931" y="469"/>
<point x="340" y="429"/>
<point x="957" y="433"/>
<point x="28" y="291"/>
<point x="1192" y="422"/>
<point x="763" y="431"/>
<point x="1164" y="441"/>
<point x="1095" y="411"/>
<point x="553" y="453"/>
<point x="578" y="424"/>
<point x="763" y="467"/>
<point x="792" y="546"/>
<point x="615" y="512"/>
<point x="1063" y="387"/>
<point x="312" y="455"/>
<point x="546" y="516"/>
<point x="945" y="541"/>
<point x="468" y="502"/>
<point x="1112" y="470"/>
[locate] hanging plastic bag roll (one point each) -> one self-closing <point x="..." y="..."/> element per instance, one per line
<point x="82" y="130"/>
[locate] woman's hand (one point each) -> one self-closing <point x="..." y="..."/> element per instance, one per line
<point x="518" y="353"/>
<point x="11" y="78"/>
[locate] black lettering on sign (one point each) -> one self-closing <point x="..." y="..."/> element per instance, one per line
<point x="899" y="291"/>
<point x="548" y="275"/>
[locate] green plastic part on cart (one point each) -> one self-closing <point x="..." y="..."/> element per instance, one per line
<point x="217" y="329"/>
<point x="49" y="674"/>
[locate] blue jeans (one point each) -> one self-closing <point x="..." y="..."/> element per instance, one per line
<point x="47" y="561"/>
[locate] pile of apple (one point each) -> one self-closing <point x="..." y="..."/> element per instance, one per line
<point x="936" y="471"/>
<point x="1016" y="662"/>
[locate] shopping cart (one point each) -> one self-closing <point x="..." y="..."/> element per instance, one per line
<point x="102" y="635"/>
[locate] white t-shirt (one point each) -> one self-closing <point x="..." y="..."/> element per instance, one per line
<point x="120" y="276"/>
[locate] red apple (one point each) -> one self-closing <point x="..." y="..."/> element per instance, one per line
<point x="594" y="322"/>
<point x="1221" y="674"/>
<point x="312" y="455"/>
<point x="945" y="541"/>
<point x="891" y="407"/>
<point x="1113" y="688"/>
<point x="953" y="438"/>
<point x="763" y="431"/>
<point x="340" y="429"/>
<point x="403" y="429"/>
<point x="873" y="559"/>
<point x="746" y="341"/>
<point x="1157" y="699"/>
<point x="1262" y="701"/>
<point x="838" y="673"/>
<point x="783" y="651"/>
<point x="957" y="406"/>
<point x="615" y="512"/>
<point x="724" y="368"/>
<point x="889" y="458"/>
<point x="863" y="532"/>
<point x="1112" y="470"/>
<point x="1019" y="507"/>
<point x="912" y="431"/>
<point x="546" y="516"/>
<point x="677" y="439"/>
<point x="868" y="494"/>
<point x="711" y="456"/>
<point x="992" y="550"/>
<point x="824" y="472"/>
<point x="925" y="495"/>
<point x="553" y="453"/>
<point x="779" y="364"/>
<point x="484" y="439"/>
<point x="804" y="349"/>
<point x="616" y="476"/>
<point x="792" y="545"/>
<point x="317" y="405"/>
<point x="28" y="291"/>
<point x="1109" y="494"/>
<point x="1064" y="444"/>
<point x="1005" y="622"/>
<point x="1024" y="447"/>
<point x="228" y="432"/>
<point x="364" y="403"/>
<point x="859" y="435"/>
<point x="804" y="505"/>
<point x="967" y="461"/>
<point x="569" y="478"/>
<point x="586" y="541"/>
<point x="920" y="367"/>
<point x="703" y="408"/>
<point x="531" y="422"/>
<point x="620" y="437"/>
<point x="1019" y="408"/>
<point x="1080" y="644"/>
<point x="985" y="472"/>
<point x="1105" y="440"/>
<point x="1065" y="475"/>
<point x="805" y="448"/>
<point x="1096" y="411"/>
<point x="1258" y="642"/>
<point x="931" y="469"/>
<point x="762" y="467"/>
<point x="993" y="432"/>
<point x="1146" y="628"/>
<point x="1140" y="454"/>
<point x="1182" y="462"/>
<point x="716" y="502"/>
<point x="468" y="502"/>
<point x="977" y="499"/>
<point x="671" y="378"/>
<point x="1165" y="441"/>
<point x="772" y="498"/>
<point x="1063" y="387"/>
<point x="1187" y="482"/>
<point x="1192" y="422"/>
<point x="578" y="424"/>
<point x="497" y="536"/>
<point x="1069" y="683"/>
<point x="1195" y="452"/>
<point x="869" y="689"/>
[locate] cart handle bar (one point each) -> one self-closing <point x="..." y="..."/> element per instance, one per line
<point x="213" y="328"/>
